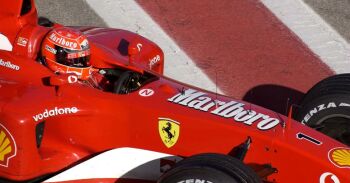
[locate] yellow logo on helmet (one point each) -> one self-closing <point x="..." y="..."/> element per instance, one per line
<point x="340" y="157"/>
<point x="169" y="131"/>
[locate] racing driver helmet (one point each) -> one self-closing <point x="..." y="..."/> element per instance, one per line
<point x="66" y="50"/>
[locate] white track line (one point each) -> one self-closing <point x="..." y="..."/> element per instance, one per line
<point x="127" y="163"/>
<point x="128" y="15"/>
<point x="320" y="37"/>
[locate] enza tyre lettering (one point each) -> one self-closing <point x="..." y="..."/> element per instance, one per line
<point x="55" y="112"/>
<point x="322" y="107"/>
<point x="231" y="110"/>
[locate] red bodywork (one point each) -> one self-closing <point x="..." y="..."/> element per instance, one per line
<point x="79" y="122"/>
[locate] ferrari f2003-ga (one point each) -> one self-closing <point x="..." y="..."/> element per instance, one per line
<point x="143" y="127"/>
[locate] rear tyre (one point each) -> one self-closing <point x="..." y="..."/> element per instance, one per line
<point x="326" y="107"/>
<point x="210" y="168"/>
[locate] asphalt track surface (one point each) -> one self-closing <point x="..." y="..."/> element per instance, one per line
<point x="335" y="12"/>
<point x="69" y="12"/>
<point x="240" y="45"/>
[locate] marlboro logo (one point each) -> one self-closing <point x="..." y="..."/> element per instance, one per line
<point x="230" y="110"/>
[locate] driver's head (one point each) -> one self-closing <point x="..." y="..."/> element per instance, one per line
<point x="67" y="50"/>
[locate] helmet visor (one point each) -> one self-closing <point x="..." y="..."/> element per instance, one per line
<point x="74" y="58"/>
<point x="79" y="62"/>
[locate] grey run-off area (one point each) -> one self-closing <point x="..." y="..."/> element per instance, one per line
<point x="69" y="12"/>
<point x="335" y="12"/>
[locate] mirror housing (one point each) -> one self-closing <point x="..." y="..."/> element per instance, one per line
<point x="134" y="50"/>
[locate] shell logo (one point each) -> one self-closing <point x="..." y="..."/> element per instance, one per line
<point x="7" y="146"/>
<point x="340" y="157"/>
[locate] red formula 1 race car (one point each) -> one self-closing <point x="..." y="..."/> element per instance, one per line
<point x="136" y="125"/>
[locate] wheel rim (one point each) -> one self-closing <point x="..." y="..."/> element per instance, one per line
<point x="337" y="127"/>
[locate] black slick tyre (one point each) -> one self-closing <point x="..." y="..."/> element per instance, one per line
<point x="326" y="107"/>
<point x="210" y="168"/>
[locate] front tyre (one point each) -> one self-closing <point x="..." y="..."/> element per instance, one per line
<point x="210" y="168"/>
<point x="326" y="107"/>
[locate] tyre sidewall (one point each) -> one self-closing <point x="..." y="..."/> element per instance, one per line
<point x="198" y="174"/>
<point x="323" y="108"/>
<point x="214" y="167"/>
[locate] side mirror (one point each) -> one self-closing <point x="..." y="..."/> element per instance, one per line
<point x="62" y="79"/>
<point x="133" y="51"/>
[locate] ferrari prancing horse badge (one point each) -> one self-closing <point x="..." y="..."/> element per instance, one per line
<point x="169" y="131"/>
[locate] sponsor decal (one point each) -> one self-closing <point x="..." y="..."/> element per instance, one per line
<point x="302" y="136"/>
<point x="321" y="107"/>
<point x="325" y="176"/>
<point x="67" y="43"/>
<point x="194" y="181"/>
<point x="85" y="44"/>
<point x="139" y="46"/>
<point x="72" y="79"/>
<point x="9" y="65"/>
<point x="230" y="110"/>
<point x="78" y="54"/>
<point x="55" y="112"/>
<point x="8" y="147"/>
<point x="154" y="61"/>
<point x="22" y="41"/>
<point x="169" y="131"/>
<point x="7" y="82"/>
<point x="76" y="71"/>
<point x="52" y="50"/>
<point x="146" y="92"/>
<point x="340" y="157"/>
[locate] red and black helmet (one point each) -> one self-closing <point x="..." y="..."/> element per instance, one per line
<point x="67" y="50"/>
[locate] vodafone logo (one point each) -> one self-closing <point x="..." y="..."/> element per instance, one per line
<point x="55" y="112"/>
<point x="72" y="79"/>
<point x="331" y="176"/>
<point x="146" y="92"/>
